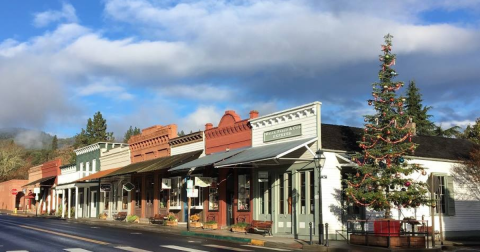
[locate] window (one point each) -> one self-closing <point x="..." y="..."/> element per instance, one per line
<point x="443" y="194"/>
<point x="94" y="166"/>
<point x="197" y="203"/>
<point x="312" y="192"/>
<point x="138" y="192"/>
<point x="307" y="194"/>
<point x="244" y="192"/>
<point x="176" y="193"/>
<point x="213" y="199"/>
<point x="106" y="199"/>
<point x="303" y="200"/>
<point x="124" y="199"/>
<point x="87" y="168"/>
<point x="285" y="196"/>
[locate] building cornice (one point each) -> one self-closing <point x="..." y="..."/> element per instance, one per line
<point x="187" y="139"/>
<point x="293" y="114"/>
<point x="238" y="127"/>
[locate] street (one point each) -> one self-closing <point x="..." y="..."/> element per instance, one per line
<point x="38" y="234"/>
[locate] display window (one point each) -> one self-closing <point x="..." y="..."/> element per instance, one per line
<point x="213" y="199"/>
<point x="176" y="193"/>
<point x="243" y="192"/>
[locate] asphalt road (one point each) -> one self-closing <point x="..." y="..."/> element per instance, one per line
<point x="46" y="235"/>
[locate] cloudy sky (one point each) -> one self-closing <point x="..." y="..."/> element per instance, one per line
<point x="145" y="62"/>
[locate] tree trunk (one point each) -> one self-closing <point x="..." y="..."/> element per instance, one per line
<point x="387" y="213"/>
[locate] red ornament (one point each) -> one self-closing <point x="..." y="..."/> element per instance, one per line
<point x="407" y="183"/>
<point x="391" y="99"/>
<point x="370" y="103"/>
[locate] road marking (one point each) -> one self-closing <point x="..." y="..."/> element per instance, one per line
<point x="94" y="227"/>
<point x="225" y="247"/>
<point x="276" y="249"/>
<point x="136" y="233"/>
<point x="182" y="248"/>
<point x="77" y="250"/>
<point x="132" y="249"/>
<point x="66" y="235"/>
<point x="17" y="250"/>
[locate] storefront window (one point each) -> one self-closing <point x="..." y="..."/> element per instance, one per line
<point x="175" y="193"/>
<point x="213" y="199"/>
<point x="197" y="203"/>
<point x="163" y="198"/>
<point x="302" y="193"/>
<point x="262" y="197"/>
<point x="289" y="191"/>
<point x="138" y="192"/>
<point x="124" y="199"/>
<point x="244" y="192"/>
<point x="312" y="192"/>
<point x="106" y="200"/>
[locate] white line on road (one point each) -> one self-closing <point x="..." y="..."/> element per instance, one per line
<point x="182" y="248"/>
<point x="17" y="250"/>
<point x="276" y="249"/>
<point x="77" y="250"/>
<point x="132" y="249"/>
<point x="136" y="233"/>
<point x="225" y="247"/>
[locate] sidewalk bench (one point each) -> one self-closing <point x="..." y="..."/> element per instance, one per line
<point x="120" y="216"/>
<point x="265" y="226"/>
<point x="158" y="218"/>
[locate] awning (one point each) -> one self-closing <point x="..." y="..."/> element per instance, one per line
<point x="268" y="152"/>
<point x="171" y="161"/>
<point x="208" y="160"/>
<point x="97" y="175"/>
<point x="42" y="180"/>
<point x="132" y="168"/>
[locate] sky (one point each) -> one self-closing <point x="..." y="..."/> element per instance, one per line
<point x="143" y="63"/>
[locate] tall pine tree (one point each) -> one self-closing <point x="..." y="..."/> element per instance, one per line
<point x="54" y="143"/>
<point x="381" y="180"/>
<point x="131" y="132"/>
<point x="419" y="113"/>
<point x="96" y="132"/>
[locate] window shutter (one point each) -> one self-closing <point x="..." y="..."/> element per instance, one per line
<point x="450" y="197"/>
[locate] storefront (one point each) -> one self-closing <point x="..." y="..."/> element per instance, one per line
<point x="284" y="181"/>
<point x="12" y="196"/>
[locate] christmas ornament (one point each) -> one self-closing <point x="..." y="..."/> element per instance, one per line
<point x="397" y="175"/>
<point x="370" y="103"/>
<point x="424" y="172"/>
<point x="404" y="189"/>
<point x="407" y="184"/>
<point x="401" y="159"/>
<point x="392" y="187"/>
<point x="358" y="175"/>
<point x="391" y="99"/>
<point x="387" y="56"/>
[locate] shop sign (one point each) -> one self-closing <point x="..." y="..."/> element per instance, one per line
<point x="192" y="193"/>
<point x="291" y="131"/>
<point x="263" y="176"/>
<point x="36" y="190"/>
<point x="203" y="181"/>
<point x="189" y="184"/>
<point x="166" y="183"/>
<point x="14" y="191"/>
<point x="128" y="186"/>
<point x="36" y="196"/>
<point x="105" y="187"/>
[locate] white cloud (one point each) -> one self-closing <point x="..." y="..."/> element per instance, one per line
<point x="45" y="18"/>
<point x="107" y="88"/>
<point x="197" y="119"/>
<point x="205" y="92"/>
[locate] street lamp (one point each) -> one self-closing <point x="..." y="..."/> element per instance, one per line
<point x="319" y="160"/>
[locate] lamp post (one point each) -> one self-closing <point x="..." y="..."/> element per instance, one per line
<point x="319" y="160"/>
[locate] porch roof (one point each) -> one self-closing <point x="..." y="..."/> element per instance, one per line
<point x="132" y="168"/>
<point x="267" y="152"/>
<point x="171" y="161"/>
<point x="97" y="175"/>
<point x="41" y="181"/>
<point x="208" y="160"/>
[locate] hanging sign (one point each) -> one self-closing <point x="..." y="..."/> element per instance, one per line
<point x="192" y="193"/>
<point x="36" y="190"/>
<point x="166" y="183"/>
<point x="263" y="176"/>
<point x="204" y="181"/>
<point x="105" y="187"/>
<point x="128" y="187"/>
<point x="291" y="131"/>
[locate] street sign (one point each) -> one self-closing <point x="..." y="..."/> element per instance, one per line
<point x="128" y="186"/>
<point x="192" y="193"/>
<point x="105" y="187"/>
<point x="14" y="191"/>
<point x="263" y="176"/>
<point x="36" y="190"/>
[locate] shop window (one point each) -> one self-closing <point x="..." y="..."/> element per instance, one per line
<point x="303" y="194"/>
<point x="312" y="192"/>
<point x="163" y="198"/>
<point x="307" y="192"/>
<point x="289" y="192"/>
<point x="282" y="194"/>
<point x="244" y="192"/>
<point x="138" y="192"/>
<point x="213" y="199"/>
<point x="197" y="203"/>
<point x="124" y="199"/>
<point x="149" y="190"/>
<point x="106" y="200"/>
<point x="176" y="193"/>
<point x="285" y="194"/>
<point x="262" y="197"/>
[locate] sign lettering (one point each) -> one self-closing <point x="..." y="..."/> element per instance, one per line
<point x="291" y="131"/>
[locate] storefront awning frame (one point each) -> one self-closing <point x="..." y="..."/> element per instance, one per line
<point x="207" y="160"/>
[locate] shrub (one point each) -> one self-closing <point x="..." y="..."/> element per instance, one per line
<point x="240" y="225"/>
<point x="132" y="218"/>
<point x="194" y="217"/>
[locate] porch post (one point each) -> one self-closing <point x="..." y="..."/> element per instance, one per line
<point x="143" y="196"/>
<point x="76" y="202"/>
<point x="49" y="200"/>
<point x="68" y="203"/>
<point x="156" y="193"/>
<point x="63" y="203"/>
<point x="85" y="207"/>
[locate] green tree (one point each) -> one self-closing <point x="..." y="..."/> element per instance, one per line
<point x="472" y="132"/>
<point x="450" y="132"/>
<point x="131" y="132"/>
<point x="381" y="179"/>
<point x="11" y="157"/>
<point x="96" y="131"/>
<point x="54" y="143"/>
<point x="181" y="133"/>
<point x="419" y="113"/>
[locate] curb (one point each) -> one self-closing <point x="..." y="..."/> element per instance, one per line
<point x="218" y="237"/>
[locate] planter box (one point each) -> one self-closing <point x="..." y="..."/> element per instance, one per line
<point x="239" y="230"/>
<point x="210" y="226"/>
<point x="195" y="224"/>
<point x="395" y="241"/>
<point x="172" y="223"/>
<point x="386" y="227"/>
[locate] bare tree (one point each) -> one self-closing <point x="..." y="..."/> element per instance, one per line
<point x="467" y="175"/>
<point x="11" y="157"/>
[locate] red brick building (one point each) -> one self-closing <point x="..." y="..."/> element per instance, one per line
<point x="9" y="201"/>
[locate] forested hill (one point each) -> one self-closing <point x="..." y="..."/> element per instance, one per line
<point x="32" y="139"/>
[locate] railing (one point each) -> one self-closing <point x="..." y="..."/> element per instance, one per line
<point x="388" y="233"/>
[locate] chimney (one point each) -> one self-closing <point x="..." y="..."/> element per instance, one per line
<point x="208" y="126"/>
<point x="253" y="114"/>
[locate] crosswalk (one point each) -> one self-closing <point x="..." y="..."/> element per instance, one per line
<point x="200" y="248"/>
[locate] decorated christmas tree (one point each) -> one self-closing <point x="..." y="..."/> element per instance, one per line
<point x="383" y="178"/>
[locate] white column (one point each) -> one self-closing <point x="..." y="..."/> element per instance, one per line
<point x="85" y="208"/>
<point x="63" y="203"/>
<point x="76" y="202"/>
<point x="49" y="201"/>
<point x="54" y="200"/>
<point x="68" y="203"/>
<point x="110" y="203"/>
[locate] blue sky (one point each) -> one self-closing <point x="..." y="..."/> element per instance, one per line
<point x="145" y="62"/>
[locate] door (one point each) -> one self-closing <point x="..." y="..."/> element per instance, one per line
<point x="264" y="197"/>
<point x="306" y="201"/>
<point x="284" y="204"/>
<point x="93" y="204"/>
<point x="80" y="205"/>
<point x="229" y="199"/>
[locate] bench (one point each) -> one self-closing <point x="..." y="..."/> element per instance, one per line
<point x="120" y="216"/>
<point x="158" y="218"/>
<point x="265" y="226"/>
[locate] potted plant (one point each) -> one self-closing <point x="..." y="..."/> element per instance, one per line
<point x="240" y="227"/>
<point x="171" y="220"/>
<point x="210" y="225"/>
<point x="103" y="216"/>
<point x="132" y="218"/>
<point x="194" y="221"/>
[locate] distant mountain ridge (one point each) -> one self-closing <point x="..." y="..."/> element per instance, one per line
<point x="32" y="139"/>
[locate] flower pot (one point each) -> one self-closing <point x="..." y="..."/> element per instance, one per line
<point x="239" y="229"/>
<point x="195" y="224"/>
<point x="172" y="223"/>
<point x="210" y="226"/>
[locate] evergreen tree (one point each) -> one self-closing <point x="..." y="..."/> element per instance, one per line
<point x="131" y="132"/>
<point x="181" y="133"/>
<point x="54" y="143"/>
<point x="472" y="132"/>
<point x="450" y="132"/>
<point x="380" y="181"/>
<point x="418" y="112"/>
<point x="96" y="132"/>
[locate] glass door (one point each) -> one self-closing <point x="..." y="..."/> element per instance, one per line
<point x="265" y="199"/>
<point x="284" y="203"/>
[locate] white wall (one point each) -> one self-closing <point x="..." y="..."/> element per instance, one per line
<point x="189" y="148"/>
<point x="115" y="158"/>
